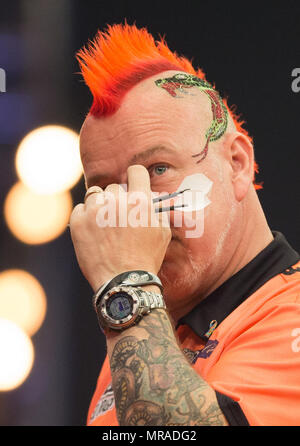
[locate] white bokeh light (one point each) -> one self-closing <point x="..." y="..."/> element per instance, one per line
<point x="16" y="355"/>
<point x="22" y="300"/>
<point x="34" y="218"/>
<point x="48" y="159"/>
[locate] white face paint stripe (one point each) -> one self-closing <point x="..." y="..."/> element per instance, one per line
<point x="195" y="198"/>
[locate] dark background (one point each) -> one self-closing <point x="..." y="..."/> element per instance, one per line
<point x="249" y="52"/>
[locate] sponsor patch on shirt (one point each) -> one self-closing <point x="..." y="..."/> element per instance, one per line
<point x="204" y="353"/>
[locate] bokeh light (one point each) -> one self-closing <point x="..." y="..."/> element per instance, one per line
<point x="48" y="159"/>
<point x="16" y="355"/>
<point x="22" y="300"/>
<point x="34" y="218"/>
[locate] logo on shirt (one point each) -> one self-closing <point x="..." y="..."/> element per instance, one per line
<point x="105" y="403"/>
<point x="208" y="349"/>
<point x="204" y="353"/>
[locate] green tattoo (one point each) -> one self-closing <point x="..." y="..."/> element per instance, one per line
<point x="182" y="82"/>
<point x="154" y="385"/>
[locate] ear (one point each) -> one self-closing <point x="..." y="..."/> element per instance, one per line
<point x="241" y="158"/>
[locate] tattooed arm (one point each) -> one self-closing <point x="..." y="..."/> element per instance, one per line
<point x="153" y="383"/>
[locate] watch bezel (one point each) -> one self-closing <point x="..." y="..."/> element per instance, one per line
<point x="126" y="321"/>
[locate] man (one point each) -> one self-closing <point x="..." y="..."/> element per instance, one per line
<point x="219" y="345"/>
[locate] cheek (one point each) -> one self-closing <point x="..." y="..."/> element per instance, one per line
<point x="205" y="227"/>
<point x="206" y="230"/>
<point x="222" y="199"/>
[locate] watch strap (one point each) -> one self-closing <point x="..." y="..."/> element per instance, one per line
<point x="133" y="278"/>
<point x="153" y="300"/>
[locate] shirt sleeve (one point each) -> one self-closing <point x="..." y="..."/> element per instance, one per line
<point x="257" y="377"/>
<point x="231" y="410"/>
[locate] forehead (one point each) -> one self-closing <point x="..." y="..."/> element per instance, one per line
<point x="148" y="118"/>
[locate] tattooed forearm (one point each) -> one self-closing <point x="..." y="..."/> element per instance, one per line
<point x="153" y="382"/>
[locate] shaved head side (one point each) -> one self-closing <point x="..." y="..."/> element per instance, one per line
<point x="123" y="56"/>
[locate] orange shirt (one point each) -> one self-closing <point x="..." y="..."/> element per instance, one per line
<point x="244" y="340"/>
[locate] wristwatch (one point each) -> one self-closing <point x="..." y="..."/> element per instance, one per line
<point x="123" y="306"/>
<point x="131" y="278"/>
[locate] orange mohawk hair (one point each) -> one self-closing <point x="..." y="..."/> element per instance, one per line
<point x="119" y="58"/>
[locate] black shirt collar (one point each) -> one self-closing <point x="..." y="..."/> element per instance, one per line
<point x="272" y="260"/>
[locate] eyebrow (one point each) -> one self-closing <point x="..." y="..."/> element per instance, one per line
<point x="135" y="159"/>
<point x="146" y="154"/>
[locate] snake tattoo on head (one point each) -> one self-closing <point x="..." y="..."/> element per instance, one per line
<point x="181" y="82"/>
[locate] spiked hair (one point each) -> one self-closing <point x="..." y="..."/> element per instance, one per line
<point x="122" y="56"/>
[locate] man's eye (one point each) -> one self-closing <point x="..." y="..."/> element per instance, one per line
<point x="159" y="169"/>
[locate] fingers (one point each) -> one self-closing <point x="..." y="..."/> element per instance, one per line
<point x="91" y="190"/>
<point x="76" y="215"/>
<point x="92" y="195"/>
<point x="163" y="219"/>
<point x="138" y="183"/>
<point x="95" y="195"/>
<point x="138" y="179"/>
<point x="115" y="189"/>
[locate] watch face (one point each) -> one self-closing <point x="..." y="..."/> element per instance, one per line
<point x="119" y="305"/>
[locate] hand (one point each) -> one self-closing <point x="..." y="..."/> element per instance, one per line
<point x="104" y="252"/>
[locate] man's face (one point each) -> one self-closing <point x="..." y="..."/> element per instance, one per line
<point x="162" y="133"/>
